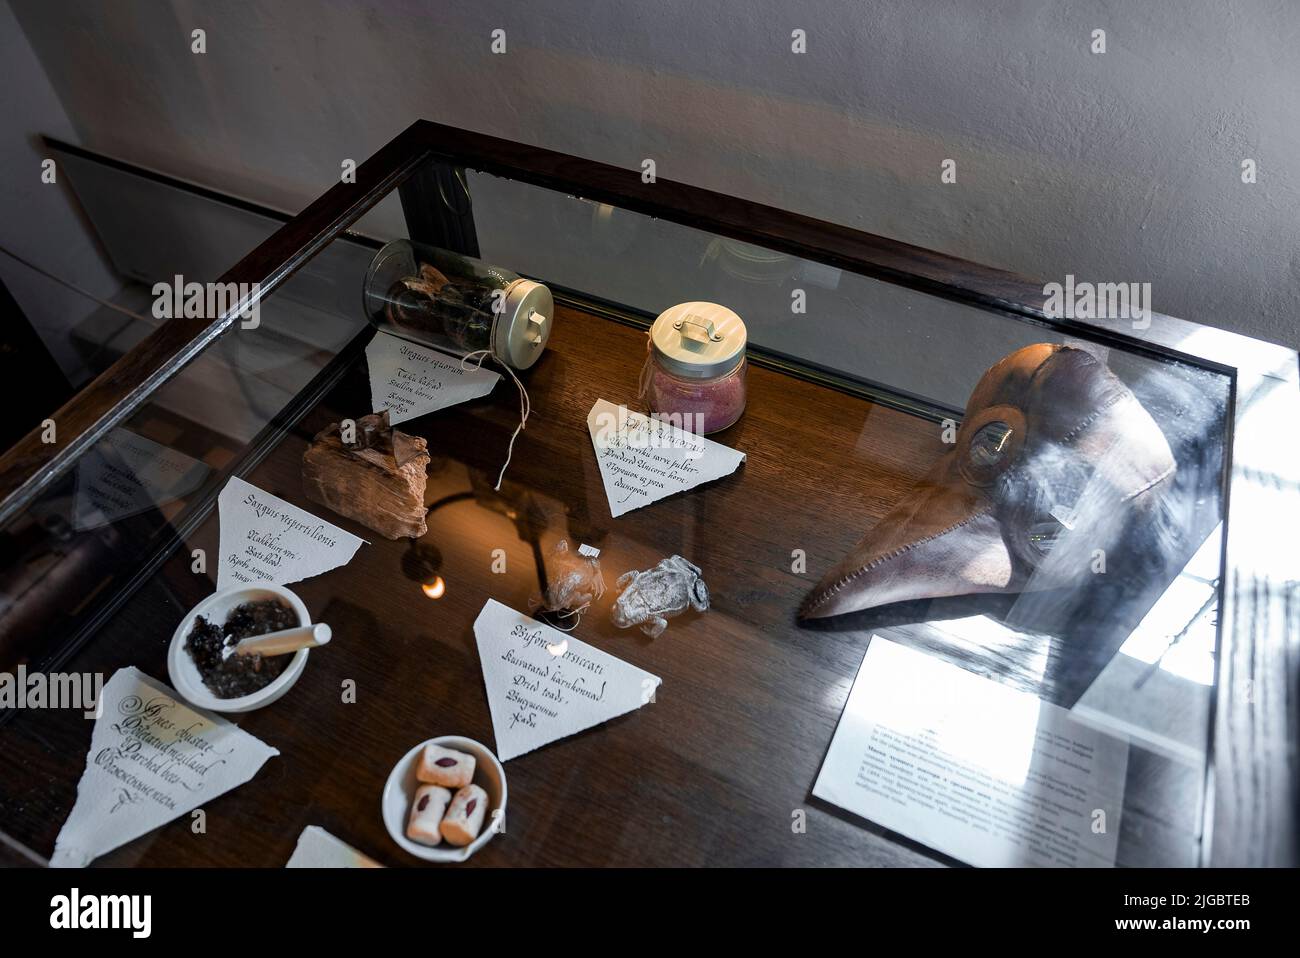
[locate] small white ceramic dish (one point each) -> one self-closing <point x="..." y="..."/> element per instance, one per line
<point x="399" y="792"/>
<point x="185" y="676"/>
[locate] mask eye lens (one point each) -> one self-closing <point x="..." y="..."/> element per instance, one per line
<point x="990" y="445"/>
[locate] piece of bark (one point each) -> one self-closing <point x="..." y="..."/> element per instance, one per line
<point x="378" y="480"/>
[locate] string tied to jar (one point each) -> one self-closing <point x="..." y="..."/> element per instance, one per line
<point x="525" y="404"/>
<point x="647" y="367"/>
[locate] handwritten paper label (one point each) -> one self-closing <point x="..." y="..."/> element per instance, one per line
<point x="317" y="848"/>
<point x="410" y="380"/>
<point x="980" y="771"/>
<point x="265" y="539"/>
<point x="151" y="759"/>
<point x="642" y="459"/>
<point x="543" y="685"/>
<point x="125" y="474"/>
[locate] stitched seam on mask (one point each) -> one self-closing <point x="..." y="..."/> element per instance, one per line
<point x="876" y="563"/>
<point x="1156" y="481"/>
<point x="1073" y="434"/>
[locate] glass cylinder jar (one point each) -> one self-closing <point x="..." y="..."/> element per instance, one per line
<point x="696" y="368"/>
<point x="457" y="303"/>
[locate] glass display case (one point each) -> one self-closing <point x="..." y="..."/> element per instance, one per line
<point x="934" y="472"/>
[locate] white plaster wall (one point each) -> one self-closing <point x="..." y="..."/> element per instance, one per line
<point x="1116" y="167"/>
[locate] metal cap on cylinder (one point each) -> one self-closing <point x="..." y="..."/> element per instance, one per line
<point x="523" y="326"/>
<point x="698" y="340"/>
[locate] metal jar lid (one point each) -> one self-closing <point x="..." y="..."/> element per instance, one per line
<point x="698" y="340"/>
<point x="523" y="326"/>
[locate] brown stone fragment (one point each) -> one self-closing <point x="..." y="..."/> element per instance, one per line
<point x="378" y="480"/>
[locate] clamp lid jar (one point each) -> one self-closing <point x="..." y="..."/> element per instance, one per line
<point x="457" y="303"/>
<point x="696" y="368"/>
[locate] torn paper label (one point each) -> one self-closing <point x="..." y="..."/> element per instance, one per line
<point x="543" y="685"/>
<point x="643" y="459"/>
<point x="151" y="759"/>
<point x="265" y="539"/>
<point x="317" y="848"/>
<point x="410" y="381"/>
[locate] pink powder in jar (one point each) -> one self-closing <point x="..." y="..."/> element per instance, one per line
<point x="698" y="405"/>
<point x="696" y="366"/>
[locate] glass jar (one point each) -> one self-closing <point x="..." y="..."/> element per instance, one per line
<point x="695" y="373"/>
<point x="457" y="303"/>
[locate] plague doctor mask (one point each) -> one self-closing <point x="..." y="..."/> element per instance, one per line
<point x="1054" y="460"/>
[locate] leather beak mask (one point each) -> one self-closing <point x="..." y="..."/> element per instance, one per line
<point x="1054" y="459"/>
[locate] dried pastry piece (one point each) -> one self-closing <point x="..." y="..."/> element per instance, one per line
<point x="377" y="479"/>
<point x="445" y="766"/>
<point x="426" y="814"/>
<point x="464" y="817"/>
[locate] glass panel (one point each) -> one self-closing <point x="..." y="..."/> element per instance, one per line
<point x="139" y="484"/>
<point x="751" y="694"/>
<point x="96" y="569"/>
<point x="1139" y="663"/>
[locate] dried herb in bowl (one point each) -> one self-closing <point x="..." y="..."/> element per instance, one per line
<point x="230" y="676"/>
